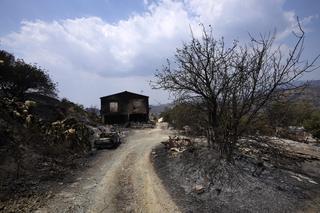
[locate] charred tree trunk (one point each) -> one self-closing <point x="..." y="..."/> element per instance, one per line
<point x="219" y="138"/>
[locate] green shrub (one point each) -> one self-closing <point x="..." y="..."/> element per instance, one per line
<point x="18" y="77"/>
<point x="313" y="124"/>
<point x="186" y="114"/>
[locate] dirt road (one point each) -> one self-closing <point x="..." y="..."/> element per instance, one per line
<point x="121" y="180"/>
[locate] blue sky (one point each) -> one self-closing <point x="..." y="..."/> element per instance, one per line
<point x="96" y="47"/>
<point x="14" y="11"/>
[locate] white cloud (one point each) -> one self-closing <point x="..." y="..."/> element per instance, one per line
<point x="90" y="57"/>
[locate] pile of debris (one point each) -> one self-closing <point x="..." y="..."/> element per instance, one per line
<point x="177" y="144"/>
<point x="70" y="131"/>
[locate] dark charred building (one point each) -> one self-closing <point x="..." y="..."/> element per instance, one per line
<point x="125" y="106"/>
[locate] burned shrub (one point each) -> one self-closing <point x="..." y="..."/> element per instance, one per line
<point x="235" y="83"/>
<point x="178" y="144"/>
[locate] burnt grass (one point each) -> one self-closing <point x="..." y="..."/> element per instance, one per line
<point x="250" y="185"/>
<point x="32" y="189"/>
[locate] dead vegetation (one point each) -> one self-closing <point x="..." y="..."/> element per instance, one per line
<point x="231" y="95"/>
<point x="275" y="176"/>
<point x="42" y="140"/>
<point x="178" y="144"/>
<point x="232" y="84"/>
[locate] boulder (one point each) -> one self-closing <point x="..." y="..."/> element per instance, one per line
<point x="198" y="188"/>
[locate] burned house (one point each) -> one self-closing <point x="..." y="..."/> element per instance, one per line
<point x="123" y="107"/>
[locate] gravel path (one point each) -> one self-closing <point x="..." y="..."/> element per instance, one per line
<point x="121" y="180"/>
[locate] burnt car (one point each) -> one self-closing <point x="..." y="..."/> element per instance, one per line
<point x="108" y="141"/>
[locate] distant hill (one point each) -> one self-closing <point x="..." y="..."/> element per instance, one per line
<point x="157" y="109"/>
<point x="314" y="83"/>
<point x="310" y="93"/>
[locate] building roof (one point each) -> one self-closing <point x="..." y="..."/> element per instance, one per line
<point x="124" y="93"/>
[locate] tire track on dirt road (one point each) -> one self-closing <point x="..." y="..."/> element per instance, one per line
<point x="122" y="180"/>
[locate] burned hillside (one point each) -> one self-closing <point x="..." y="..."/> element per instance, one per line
<point x="42" y="138"/>
<point x="278" y="176"/>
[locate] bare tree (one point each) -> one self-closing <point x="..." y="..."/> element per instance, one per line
<point x="233" y="83"/>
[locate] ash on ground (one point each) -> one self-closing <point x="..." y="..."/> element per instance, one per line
<point x="278" y="176"/>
